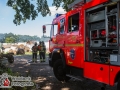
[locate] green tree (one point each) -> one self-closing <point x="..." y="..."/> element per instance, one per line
<point x="29" y="9"/>
<point x="9" y="40"/>
<point x="13" y="38"/>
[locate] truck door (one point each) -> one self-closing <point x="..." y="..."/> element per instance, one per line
<point x="61" y="33"/>
<point x="73" y="42"/>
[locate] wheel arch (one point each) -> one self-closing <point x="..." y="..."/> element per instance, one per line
<point x="58" y="54"/>
<point x="117" y="77"/>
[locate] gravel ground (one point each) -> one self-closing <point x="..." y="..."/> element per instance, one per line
<point x="43" y="75"/>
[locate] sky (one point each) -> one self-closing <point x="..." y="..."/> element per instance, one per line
<point x="31" y="27"/>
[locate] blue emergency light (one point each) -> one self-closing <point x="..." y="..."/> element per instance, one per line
<point x="57" y="15"/>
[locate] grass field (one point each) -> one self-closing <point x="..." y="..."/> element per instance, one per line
<point x="28" y="53"/>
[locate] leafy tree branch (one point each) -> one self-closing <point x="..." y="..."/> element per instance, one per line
<point x="29" y="9"/>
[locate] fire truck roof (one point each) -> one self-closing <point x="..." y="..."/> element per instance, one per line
<point x="77" y="3"/>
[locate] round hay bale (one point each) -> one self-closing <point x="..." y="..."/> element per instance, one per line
<point x="20" y="51"/>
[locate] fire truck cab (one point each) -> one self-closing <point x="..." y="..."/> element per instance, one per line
<point x="87" y="43"/>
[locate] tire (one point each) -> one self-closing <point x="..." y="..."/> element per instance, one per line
<point x="10" y="59"/>
<point x="102" y="88"/>
<point x="59" y="72"/>
<point x="118" y="84"/>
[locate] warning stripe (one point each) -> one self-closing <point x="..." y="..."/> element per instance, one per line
<point x="75" y="45"/>
<point x="60" y="44"/>
<point x="81" y="45"/>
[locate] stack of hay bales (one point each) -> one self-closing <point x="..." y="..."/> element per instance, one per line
<point x="17" y="48"/>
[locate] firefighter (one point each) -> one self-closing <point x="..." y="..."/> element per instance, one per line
<point x="39" y="49"/>
<point x="34" y="52"/>
<point x="42" y="52"/>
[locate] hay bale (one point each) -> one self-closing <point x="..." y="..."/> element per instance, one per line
<point x="21" y="46"/>
<point x="27" y="49"/>
<point x="14" y="51"/>
<point x="11" y="52"/>
<point x="20" y="51"/>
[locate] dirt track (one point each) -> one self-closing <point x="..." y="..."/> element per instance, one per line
<point x="43" y="75"/>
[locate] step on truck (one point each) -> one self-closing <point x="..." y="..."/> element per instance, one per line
<point x="84" y="42"/>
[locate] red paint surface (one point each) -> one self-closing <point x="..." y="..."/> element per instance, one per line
<point x="91" y="70"/>
<point x="97" y="72"/>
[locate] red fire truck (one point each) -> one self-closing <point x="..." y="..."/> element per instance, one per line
<point x="86" y="43"/>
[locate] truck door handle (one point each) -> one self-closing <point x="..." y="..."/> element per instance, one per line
<point x="77" y="41"/>
<point x="101" y="68"/>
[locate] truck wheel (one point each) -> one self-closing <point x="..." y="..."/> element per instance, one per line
<point x="118" y="84"/>
<point x="10" y="59"/>
<point x="59" y="72"/>
<point x="102" y="88"/>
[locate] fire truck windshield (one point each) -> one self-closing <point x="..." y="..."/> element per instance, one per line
<point x="54" y="29"/>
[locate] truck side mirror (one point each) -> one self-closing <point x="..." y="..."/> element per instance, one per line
<point x="44" y="29"/>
